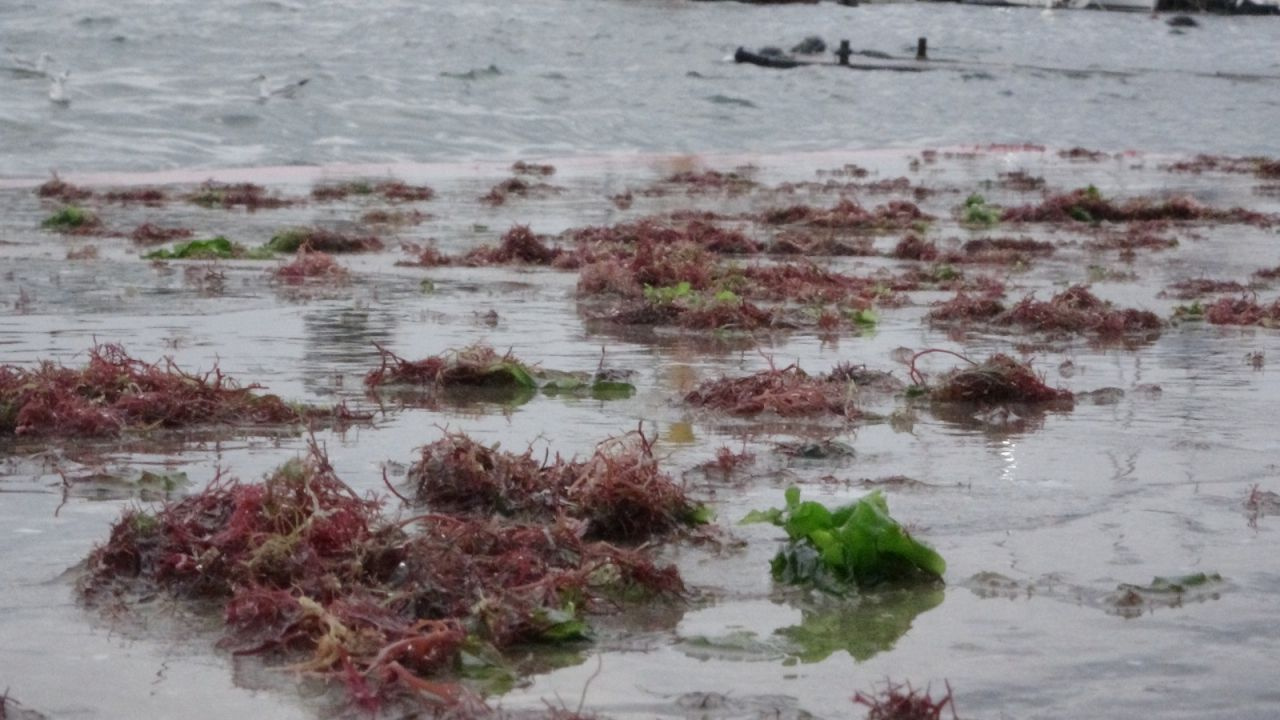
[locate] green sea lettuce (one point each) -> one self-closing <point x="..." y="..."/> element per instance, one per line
<point x="857" y="544"/>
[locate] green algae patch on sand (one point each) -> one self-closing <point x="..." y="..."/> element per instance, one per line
<point x="854" y="545"/>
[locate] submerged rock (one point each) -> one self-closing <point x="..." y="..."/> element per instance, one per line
<point x="811" y="45"/>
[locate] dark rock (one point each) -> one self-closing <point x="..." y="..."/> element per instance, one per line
<point x="1182" y="21"/>
<point x="811" y="45"/>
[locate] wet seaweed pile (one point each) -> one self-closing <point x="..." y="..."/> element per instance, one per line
<point x="497" y="552"/>
<point x="114" y="393"/>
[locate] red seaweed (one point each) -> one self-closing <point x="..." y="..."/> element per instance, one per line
<point x="903" y="702"/>
<point x="115" y="392"/>
<point x="311" y="574"/>
<point x="58" y="189"/>
<point x="149" y="234"/>
<point x="308" y="265"/>
<point x="788" y="392"/>
<point x="1000" y="379"/>
<point x="228" y="195"/>
<point x="1243" y="310"/>
<point x="519" y="245"/>
<point x="520" y="167"/>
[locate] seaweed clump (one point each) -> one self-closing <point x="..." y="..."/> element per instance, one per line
<point x="392" y="190"/>
<point x="619" y="493"/>
<point x="246" y="195"/>
<point x="55" y="188"/>
<point x="150" y="234"/>
<point x="855" y="545"/>
<point x="322" y="240"/>
<point x="520" y="245"/>
<point x="115" y="392"/>
<point x="788" y="392"/>
<point x="73" y="220"/>
<point x="1074" y="310"/>
<point x="1088" y="205"/>
<point x="478" y="366"/>
<point x="849" y="215"/>
<point x="998" y="380"/>
<point x="903" y="702"/>
<point x="518" y="187"/>
<point x="311" y="266"/>
<point x="1243" y="310"/>
<point x="317" y="579"/>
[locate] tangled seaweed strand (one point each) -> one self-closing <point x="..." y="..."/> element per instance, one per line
<point x="903" y="702"/>
<point x="788" y="392"/>
<point x="313" y="575"/>
<point x="1088" y="205"/>
<point x="1077" y="310"/>
<point x="1244" y="310"/>
<point x="311" y="266"/>
<point x="849" y="215"/>
<point x="473" y="366"/>
<point x="619" y="493"/>
<point x="115" y="392"/>
<point x="1000" y="379"/>
<point x="1074" y="310"/>
<point x="519" y="245"/>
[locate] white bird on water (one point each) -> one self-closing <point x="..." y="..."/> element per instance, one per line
<point x="23" y="66"/>
<point x="58" y="89"/>
<point x="288" y="90"/>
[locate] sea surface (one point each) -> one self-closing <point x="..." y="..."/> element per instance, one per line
<point x="1043" y="518"/>
<point x="171" y="85"/>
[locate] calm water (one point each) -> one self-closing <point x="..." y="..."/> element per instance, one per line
<point x="1039" y="520"/>
<point x="163" y="85"/>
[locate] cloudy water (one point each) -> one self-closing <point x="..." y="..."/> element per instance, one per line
<point x="1048" y="520"/>
<point x="163" y="85"/>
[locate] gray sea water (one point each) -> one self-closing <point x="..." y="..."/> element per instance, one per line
<point x="1040" y="518"/>
<point x="170" y="85"/>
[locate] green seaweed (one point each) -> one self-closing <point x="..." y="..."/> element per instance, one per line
<point x="287" y="241"/>
<point x="215" y="247"/>
<point x="69" y="218"/>
<point x="978" y="212"/>
<point x="560" y="625"/>
<point x="667" y="295"/>
<point x="857" y="544"/>
<point x="555" y="382"/>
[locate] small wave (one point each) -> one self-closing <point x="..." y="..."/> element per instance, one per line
<point x="730" y="100"/>
<point x="474" y="73"/>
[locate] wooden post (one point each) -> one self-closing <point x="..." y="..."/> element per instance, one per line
<point x="922" y="49"/>
<point x="844" y="52"/>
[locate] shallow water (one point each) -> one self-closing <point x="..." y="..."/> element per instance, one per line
<point x="170" y="85"/>
<point x="1040" y="518"/>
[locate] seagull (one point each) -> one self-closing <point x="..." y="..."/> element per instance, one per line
<point x="58" y="89"/>
<point x="288" y="90"/>
<point x="24" y="67"/>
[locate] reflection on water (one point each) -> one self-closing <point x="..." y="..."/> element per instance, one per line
<point x="871" y="623"/>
